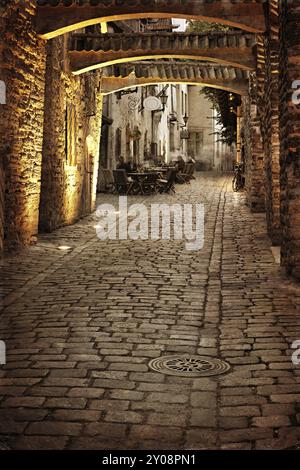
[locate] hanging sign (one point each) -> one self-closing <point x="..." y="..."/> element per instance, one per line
<point x="152" y="103"/>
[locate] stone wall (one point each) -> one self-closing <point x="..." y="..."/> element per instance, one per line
<point x="2" y="206"/>
<point x="268" y="72"/>
<point x="253" y="147"/>
<point x="72" y="127"/>
<point x="290" y="135"/>
<point x="22" y="66"/>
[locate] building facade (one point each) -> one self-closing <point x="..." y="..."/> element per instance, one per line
<point x="138" y="134"/>
<point x="204" y="144"/>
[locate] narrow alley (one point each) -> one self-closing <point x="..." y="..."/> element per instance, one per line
<point x="83" y="318"/>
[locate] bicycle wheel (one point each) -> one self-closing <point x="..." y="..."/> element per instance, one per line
<point x="235" y="185"/>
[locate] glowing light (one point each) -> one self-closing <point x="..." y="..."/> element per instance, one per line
<point x="64" y="248"/>
<point x="104" y="28"/>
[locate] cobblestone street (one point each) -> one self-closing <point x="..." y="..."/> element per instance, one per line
<point x="82" y="324"/>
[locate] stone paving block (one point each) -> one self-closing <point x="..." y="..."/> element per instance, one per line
<point x="49" y="391"/>
<point x="288" y="438"/>
<point x="278" y="409"/>
<point x="126" y="395"/>
<point x="286" y="398"/>
<point x="233" y="422"/>
<point x="22" y="414"/>
<point x="167" y="397"/>
<point x="239" y="411"/>
<point x="71" y="403"/>
<point x="76" y="416"/>
<point x="24" y="402"/>
<point x="96" y="443"/>
<point x="271" y="421"/>
<point x="241" y="435"/>
<point x="65" y="382"/>
<point x="11" y="427"/>
<point x="201" y="438"/>
<point x="85" y="392"/>
<point x="40" y="443"/>
<point x="204" y="399"/>
<point x="114" y="431"/>
<point x="205" y="418"/>
<point x="119" y="416"/>
<point x="54" y="428"/>
<point x="108" y="405"/>
<point x="232" y="400"/>
<point x="167" y="434"/>
<point x="204" y="384"/>
<point x="237" y="446"/>
<point x="167" y="419"/>
<point x="11" y="390"/>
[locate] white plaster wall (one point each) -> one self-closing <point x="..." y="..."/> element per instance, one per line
<point x="125" y="115"/>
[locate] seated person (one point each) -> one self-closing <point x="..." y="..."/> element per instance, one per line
<point x="133" y="166"/>
<point x="124" y="165"/>
<point x="158" y="163"/>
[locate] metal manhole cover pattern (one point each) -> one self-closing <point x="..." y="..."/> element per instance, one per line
<point x="189" y="366"/>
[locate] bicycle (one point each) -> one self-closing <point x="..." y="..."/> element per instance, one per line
<point x="238" y="181"/>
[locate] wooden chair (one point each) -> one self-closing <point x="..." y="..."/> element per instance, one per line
<point x="188" y="173"/>
<point x="150" y="184"/>
<point x="192" y="171"/>
<point x="167" y="185"/>
<point x="183" y="176"/>
<point x="122" y="183"/>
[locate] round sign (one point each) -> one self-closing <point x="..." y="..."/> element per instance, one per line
<point x="152" y="103"/>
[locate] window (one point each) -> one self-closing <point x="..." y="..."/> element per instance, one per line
<point x="70" y="138"/>
<point x="118" y="143"/>
<point x="172" y="138"/>
<point x="195" y="143"/>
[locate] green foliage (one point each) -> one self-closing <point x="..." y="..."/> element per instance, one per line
<point x="225" y="117"/>
<point x="204" y="27"/>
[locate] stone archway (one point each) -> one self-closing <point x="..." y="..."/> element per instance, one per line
<point x="92" y="51"/>
<point x="208" y="74"/>
<point x="55" y="18"/>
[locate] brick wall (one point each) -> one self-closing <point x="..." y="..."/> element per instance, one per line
<point x="290" y="136"/>
<point x="21" y="120"/>
<point x="269" y="106"/>
<point x="71" y="141"/>
<point x="254" y="154"/>
<point x="2" y="193"/>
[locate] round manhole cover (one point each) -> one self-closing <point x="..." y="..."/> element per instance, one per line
<point x="189" y="366"/>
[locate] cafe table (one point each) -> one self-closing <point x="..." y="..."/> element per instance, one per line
<point x="144" y="180"/>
